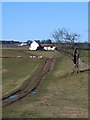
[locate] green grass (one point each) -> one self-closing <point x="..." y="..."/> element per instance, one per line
<point x="43" y="53"/>
<point x="28" y="53"/>
<point x="14" y="52"/>
<point x="61" y="96"/>
<point x="17" y="71"/>
<point x="84" y="54"/>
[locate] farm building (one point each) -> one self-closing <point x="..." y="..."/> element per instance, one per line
<point x="22" y="44"/>
<point x="48" y="46"/>
<point x="36" y="46"/>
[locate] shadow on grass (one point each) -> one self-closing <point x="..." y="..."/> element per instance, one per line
<point x="64" y="76"/>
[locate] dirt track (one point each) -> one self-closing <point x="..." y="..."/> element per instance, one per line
<point x="26" y="91"/>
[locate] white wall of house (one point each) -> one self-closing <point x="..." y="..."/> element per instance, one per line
<point x="34" y="45"/>
<point x="49" y="48"/>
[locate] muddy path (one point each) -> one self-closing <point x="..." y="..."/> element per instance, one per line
<point x="31" y="88"/>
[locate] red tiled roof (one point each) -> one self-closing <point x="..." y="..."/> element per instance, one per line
<point x="47" y="45"/>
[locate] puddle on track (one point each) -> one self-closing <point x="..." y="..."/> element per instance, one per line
<point x="13" y="96"/>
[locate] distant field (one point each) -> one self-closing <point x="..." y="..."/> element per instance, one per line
<point x="17" y="71"/>
<point x="15" y="52"/>
<point x="62" y="95"/>
<point x="44" y="53"/>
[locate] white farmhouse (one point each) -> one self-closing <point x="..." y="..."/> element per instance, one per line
<point x="34" y="45"/>
<point x="49" y="47"/>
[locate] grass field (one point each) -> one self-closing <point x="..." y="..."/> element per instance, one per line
<point x="61" y="96"/>
<point x="44" y="53"/>
<point x="14" y="52"/>
<point x="17" y="71"/>
<point x="84" y="54"/>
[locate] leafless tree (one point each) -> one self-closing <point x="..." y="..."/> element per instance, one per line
<point x="66" y="45"/>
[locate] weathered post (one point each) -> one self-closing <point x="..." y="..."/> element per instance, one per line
<point x="75" y="60"/>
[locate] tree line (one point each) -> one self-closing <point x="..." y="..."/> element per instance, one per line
<point x="48" y="41"/>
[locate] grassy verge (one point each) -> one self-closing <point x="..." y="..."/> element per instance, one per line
<point x="61" y="96"/>
<point x="84" y="54"/>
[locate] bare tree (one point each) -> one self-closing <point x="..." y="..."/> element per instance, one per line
<point x="66" y="45"/>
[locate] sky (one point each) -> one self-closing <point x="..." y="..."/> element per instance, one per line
<point x="22" y="21"/>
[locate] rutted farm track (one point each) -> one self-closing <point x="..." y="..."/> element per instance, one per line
<point x="28" y="90"/>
